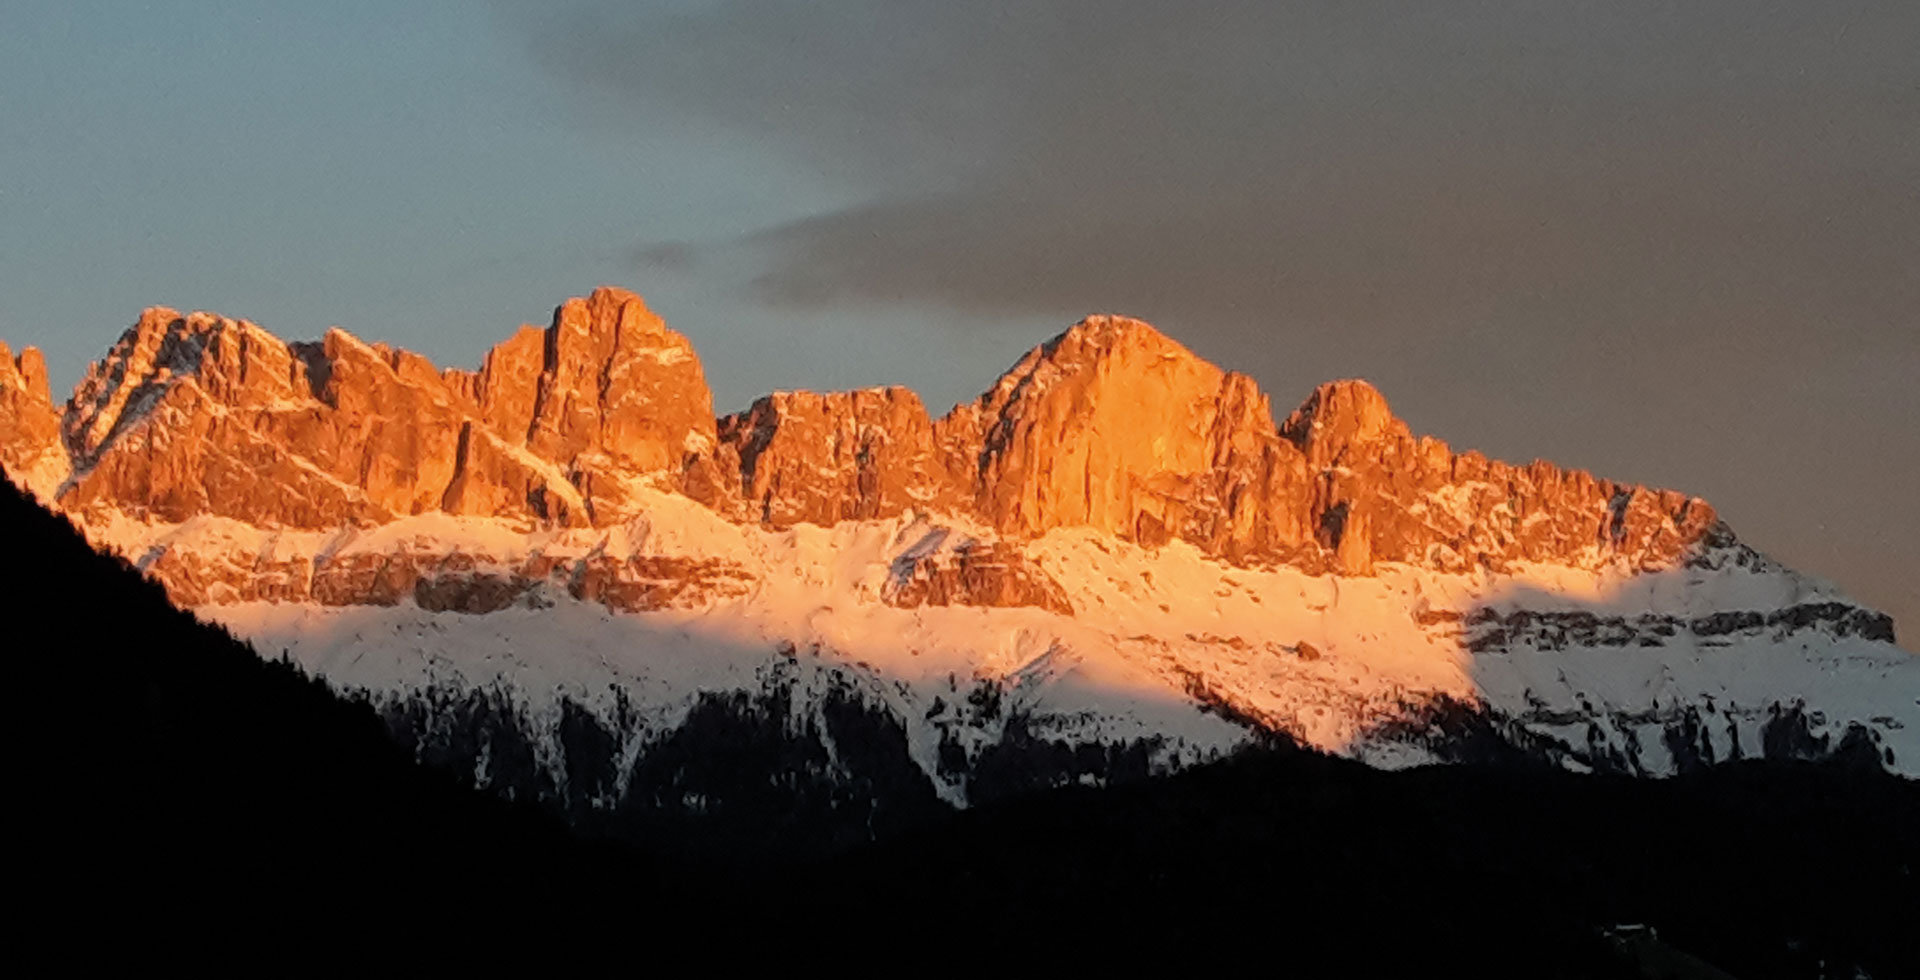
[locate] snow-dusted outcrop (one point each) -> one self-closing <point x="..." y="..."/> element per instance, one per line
<point x="1115" y="557"/>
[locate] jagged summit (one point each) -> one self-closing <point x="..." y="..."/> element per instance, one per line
<point x="1103" y="343"/>
<point x="29" y="425"/>
<point x="1109" y="331"/>
<point x="1110" y="425"/>
<point x="164" y="348"/>
<point x="27" y="371"/>
<point x="1115" y="426"/>
<point x="1115" y="558"/>
<point x="846" y="455"/>
<point x="1340" y="414"/>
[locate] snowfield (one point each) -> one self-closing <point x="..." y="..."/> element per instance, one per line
<point x="1593" y="669"/>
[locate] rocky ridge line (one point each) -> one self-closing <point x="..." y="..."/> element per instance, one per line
<point x="1110" y="425"/>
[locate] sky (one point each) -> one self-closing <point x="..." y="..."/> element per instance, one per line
<point x="1676" y="244"/>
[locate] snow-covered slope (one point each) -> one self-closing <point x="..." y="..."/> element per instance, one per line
<point x="562" y="573"/>
<point x="1726" y="656"/>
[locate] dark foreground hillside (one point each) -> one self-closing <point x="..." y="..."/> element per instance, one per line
<point x="1763" y="869"/>
<point x="169" y="783"/>
<point x="165" y="774"/>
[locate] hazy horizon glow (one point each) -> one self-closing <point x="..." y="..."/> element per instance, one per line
<point x="1668" y="244"/>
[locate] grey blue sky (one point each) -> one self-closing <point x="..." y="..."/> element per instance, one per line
<point x="1676" y="243"/>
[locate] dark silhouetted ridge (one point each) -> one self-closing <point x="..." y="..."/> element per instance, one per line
<point x="166" y="776"/>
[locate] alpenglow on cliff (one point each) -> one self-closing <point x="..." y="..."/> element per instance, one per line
<point x="1116" y="560"/>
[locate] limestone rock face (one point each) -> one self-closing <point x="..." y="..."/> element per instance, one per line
<point x="200" y="414"/>
<point x="618" y="396"/>
<point x="231" y="363"/>
<point x="1105" y="426"/>
<point x="459" y="581"/>
<point x="1114" y="426"/>
<point x="973" y="574"/>
<point x="385" y="424"/>
<point x="495" y="479"/>
<point x="850" y="455"/>
<point x="644" y="582"/>
<point x="1110" y="426"/>
<point x="1378" y="493"/>
<point x="508" y="384"/>
<point x="187" y="415"/>
<point x="30" y="450"/>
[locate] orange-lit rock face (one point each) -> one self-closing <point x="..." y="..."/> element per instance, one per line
<point x="491" y="479"/>
<point x="1381" y="494"/>
<point x="200" y="414"/>
<point x="204" y="415"/>
<point x="619" y="393"/>
<point x="508" y="385"/>
<point x="806" y="457"/>
<point x="29" y="425"/>
<point x="1116" y="427"/>
<point x="973" y="575"/>
<point x="616" y="396"/>
<point x="1110" y="426"/>
<point x="456" y="582"/>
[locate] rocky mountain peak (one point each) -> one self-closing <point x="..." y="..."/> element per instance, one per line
<point x="1111" y="332"/>
<point x="607" y="317"/>
<point x="26" y="372"/>
<point x="230" y="360"/>
<point x="1341" y="417"/>
<point x="462" y="545"/>
<point x="1110" y="425"/>
<point x="618" y="396"/>
<point x="29" y="423"/>
<point x="845" y="455"/>
<point x="1115" y="347"/>
<point x="1116" y="426"/>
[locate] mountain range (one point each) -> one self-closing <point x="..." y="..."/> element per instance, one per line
<point x="178" y="795"/>
<point x="563" y="577"/>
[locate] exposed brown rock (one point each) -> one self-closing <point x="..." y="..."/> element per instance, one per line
<point x="469" y="583"/>
<point x="973" y="574"/>
<point x="202" y="414"/>
<point x="1111" y="426"/>
<point x="1413" y="500"/>
<point x="619" y="396"/>
<point x="492" y="479"/>
<point x="370" y="578"/>
<point x="509" y="382"/>
<point x="849" y="455"/>
<point x="1105" y="426"/>
<point x="455" y="582"/>
<point x="641" y="583"/>
<point x="201" y="459"/>
<point x="476" y="593"/>
<point x="1114" y="426"/>
<point x="194" y="578"/>
<point x="30" y="450"/>
<point x="393" y="429"/>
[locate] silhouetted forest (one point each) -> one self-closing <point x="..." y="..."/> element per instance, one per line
<point x="170" y="782"/>
<point x="167" y="775"/>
